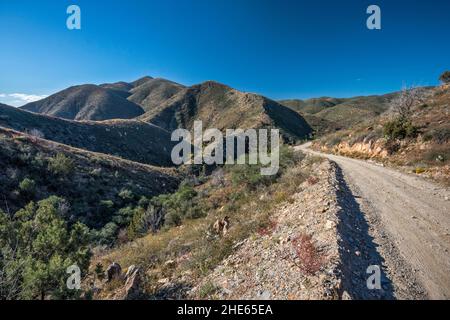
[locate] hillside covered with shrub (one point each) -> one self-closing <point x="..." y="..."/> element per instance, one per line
<point x="417" y="139"/>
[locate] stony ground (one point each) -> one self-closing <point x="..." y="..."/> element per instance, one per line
<point x="267" y="266"/>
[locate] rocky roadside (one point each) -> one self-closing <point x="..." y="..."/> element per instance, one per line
<point x="296" y="258"/>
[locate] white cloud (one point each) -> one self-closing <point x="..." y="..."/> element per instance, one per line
<point x="19" y="99"/>
<point x="27" y="97"/>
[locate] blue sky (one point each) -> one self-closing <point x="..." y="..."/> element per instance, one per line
<point x="282" y="49"/>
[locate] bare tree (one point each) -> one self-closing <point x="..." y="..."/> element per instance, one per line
<point x="35" y="134"/>
<point x="445" y="77"/>
<point x="409" y="97"/>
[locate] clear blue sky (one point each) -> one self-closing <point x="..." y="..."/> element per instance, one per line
<point x="282" y="49"/>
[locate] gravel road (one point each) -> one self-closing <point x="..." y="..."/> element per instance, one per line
<point x="409" y="221"/>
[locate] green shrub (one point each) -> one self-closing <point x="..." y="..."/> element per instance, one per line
<point x="107" y="234"/>
<point x="399" y="128"/>
<point x="37" y="247"/>
<point x="61" y="164"/>
<point x="107" y="204"/>
<point x="126" y="194"/>
<point x="250" y="175"/>
<point x="124" y="216"/>
<point x="27" y="186"/>
<point x="99" y="272"/>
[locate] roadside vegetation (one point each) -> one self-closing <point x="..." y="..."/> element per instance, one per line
<point x="187" y="248"/>
<point x="414" y="134"/>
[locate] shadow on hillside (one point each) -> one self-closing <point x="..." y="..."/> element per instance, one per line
<point x="357" y="248"/>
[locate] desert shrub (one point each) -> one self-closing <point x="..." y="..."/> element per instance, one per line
<point x="38" y="161"/>
<point x="126" y="194"/>
<point x="399" y="128"/>
<point x="441" y="135"/>
<point x="310" y="260"/>
<point x="36" y="134"/>
<point x="107" y="234"/>
<point x="182" y="204"/>
<point x="124" y="215"/>
<point x="334" y="140"/>
<point x="267" y="228"/>
<point x="312" y="180"/>
<point x="206" y="290"/>
<point x="99" y="271"/>
<point x="107" y="204"/>
<point x="357" y="138"/>
<point x="36" y="248"/>
<point x="61" y="165"/>
<point x="27" y="186"/>
<point x="143" y="202"/>
<point x="166" y="210"/>
<point x="439" y="156"/>
<point x="392" y="146"/>
<point x="250" y="175"/>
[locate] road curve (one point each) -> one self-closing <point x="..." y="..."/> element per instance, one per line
<point x="414" y="213"/>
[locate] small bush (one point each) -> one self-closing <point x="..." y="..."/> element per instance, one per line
<point x="268" y="228"/>
<point x="107" y="234"/>
<point x="126" y="195"/>
<point x="399" y="128"/>
<point x="310" y="260"/>
<point x="334" y="141"/>
<point x="312" y="180"/>
<point x="207" y="290"/>
<point x="60" y="164"/>
<point x="27" y="186"/>
<point x="441" y="135"/>
<point x="99" y="272"/>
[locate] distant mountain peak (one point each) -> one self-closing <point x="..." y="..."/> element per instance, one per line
<point x="140" y="81"/>
<point x="87" y="102"/>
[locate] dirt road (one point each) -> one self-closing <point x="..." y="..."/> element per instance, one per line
<point x="409" y="220"/>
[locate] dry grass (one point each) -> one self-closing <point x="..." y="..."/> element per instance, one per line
<point x="193" y="246"/>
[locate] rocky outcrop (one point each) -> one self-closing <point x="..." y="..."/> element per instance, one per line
<point x="365" y="149"/>
<point x="133" y="279"/>
<point x="113" y="272"/>
<point x="221" y="226"/>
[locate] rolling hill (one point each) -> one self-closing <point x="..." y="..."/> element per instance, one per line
<point x="35" y="169"/>
<point x="154" y="92"/>
<point x="222" y="107"/>
<point x="87" y="102"/>
<point x="327" y="114"/>
<point x="128" y="139"/>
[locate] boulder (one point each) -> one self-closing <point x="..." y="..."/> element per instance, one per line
<point x="133" y="283"/>
<point x="114" y="271"/>
<point x="221" y="226"/>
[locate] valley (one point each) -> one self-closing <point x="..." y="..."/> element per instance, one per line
<point x="94" y="163"/>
